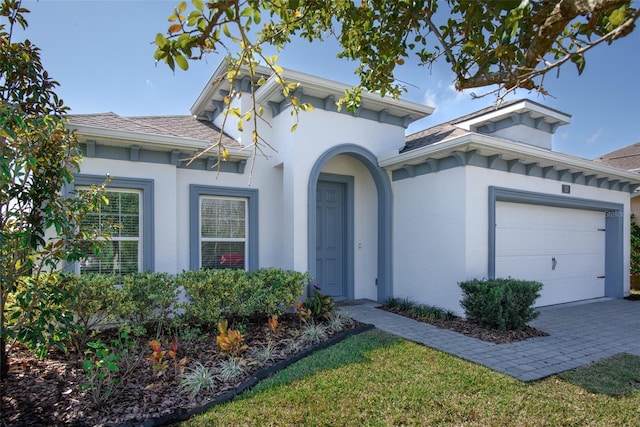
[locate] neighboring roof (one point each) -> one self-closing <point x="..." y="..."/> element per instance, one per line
<point x="166" y="126"/>
<point x="625" y="158"/>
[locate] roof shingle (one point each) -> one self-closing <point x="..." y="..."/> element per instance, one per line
<point x="177" y="126"/>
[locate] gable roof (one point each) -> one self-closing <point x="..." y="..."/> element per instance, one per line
<point x="625" y="158"/>
<point x="317" y="91"/>
<point x="461" y="125"/>
<point x="179" y="126"/>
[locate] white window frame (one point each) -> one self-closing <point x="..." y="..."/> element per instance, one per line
<point x="244" y="239"/>
<point x="139" y="239"/>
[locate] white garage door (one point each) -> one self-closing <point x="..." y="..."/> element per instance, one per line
<point x="560" y="247"/>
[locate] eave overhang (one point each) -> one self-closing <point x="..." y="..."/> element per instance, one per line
<point x="321" y="93"/>
<point x="540" y="114"/>
<point x="151" y="141"/>
<point x="481" y="150"/>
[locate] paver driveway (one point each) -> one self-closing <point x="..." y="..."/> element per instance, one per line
<point x="579" y="333"/>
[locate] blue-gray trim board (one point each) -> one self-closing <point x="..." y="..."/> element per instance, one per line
<point x="496" y="162"/>
<point x="514" y="119"/>
<point x="148" y="207"/>
<point x="614" y="229"/>
<point x="179" y="159"/>
<point x="195" y="191"/>
<point x="385" y="202"/>
<point x="329" y="104"/>
<point x="349" y="273"/>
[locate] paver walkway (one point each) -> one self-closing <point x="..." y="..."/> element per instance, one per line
<point x="579" y="334"/>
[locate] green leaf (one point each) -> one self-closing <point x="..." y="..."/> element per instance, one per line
<point x="617" y="16"/>
<point x="182" y="62"/>
<point x="161" y="41"/>
<point x="294" y="127"/>
<point x="198" y="5"/>
<point x="170" y="62"/>
<point x="579" y="61"/>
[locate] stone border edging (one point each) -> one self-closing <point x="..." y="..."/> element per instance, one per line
<point x="185" y="414"/>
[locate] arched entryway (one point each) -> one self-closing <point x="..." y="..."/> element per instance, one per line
<point x="339" y="186"/>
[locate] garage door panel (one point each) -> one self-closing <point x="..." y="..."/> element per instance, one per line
<point x="522" y="242"/>
<point x="557" y="291"/>
<point x="529" y="237"/>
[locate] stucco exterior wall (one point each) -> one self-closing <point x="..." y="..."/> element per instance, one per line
<point x="166" y="209"/>
<point x="527" y="135"/>
<point x="317" y="132"/>
<point x="429" y="237"/>
<point x="281" y="176"/>
<point x="441" y="228"/>
<point x="171" y="205"/>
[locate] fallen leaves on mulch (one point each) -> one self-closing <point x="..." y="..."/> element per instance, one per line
<point x="475" y="330"/>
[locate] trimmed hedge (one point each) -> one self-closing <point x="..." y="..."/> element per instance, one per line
<point x="147" y="300"/>
<point x="504" y="304"/>
<point x="93" y="305"/>
<point x="217" y="294"/>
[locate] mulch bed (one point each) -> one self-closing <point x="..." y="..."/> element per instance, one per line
<point x="475" y="330"/>
<point x="49" y="392"/>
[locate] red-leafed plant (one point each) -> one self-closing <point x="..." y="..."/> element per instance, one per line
<point x="157" y="358"/>
<point x="160" y="364"/>
<point x="274" y="325"/>
<point x="230" y="340"/>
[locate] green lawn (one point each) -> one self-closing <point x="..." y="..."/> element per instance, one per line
<point x="377" y="380"/>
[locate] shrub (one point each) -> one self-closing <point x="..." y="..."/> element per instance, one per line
<point x="37" y="312"/>
<point x="504" y="304"/>
<point x="101" y="372"/>
<point x="211" y="293"/>
<point x="423" y="312"/>
<point x="94" y="303"/>
<point x="317" y="307"/>
<point x="276" y="290"/>
<point x="635" y="247"/>
<point x="147" y="299"/>
<point x="217" y="294"/>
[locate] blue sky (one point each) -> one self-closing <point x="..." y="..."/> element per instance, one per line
<point x="101" y="52"/>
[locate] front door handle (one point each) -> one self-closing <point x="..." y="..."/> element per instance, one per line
<point x="554" y="262"/>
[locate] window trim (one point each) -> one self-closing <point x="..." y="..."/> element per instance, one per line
<point x="251" y="196"/>
<point x="146" y="187"/>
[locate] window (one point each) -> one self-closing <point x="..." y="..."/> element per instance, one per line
<point x="223" y="227"/>
<point x="223" y="232"/>
<point x="131" y="205"/>
<point x="121" y="218"/>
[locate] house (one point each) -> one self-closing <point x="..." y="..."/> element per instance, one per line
<point x="626" y="158"/>
<point x="368" y="212"/>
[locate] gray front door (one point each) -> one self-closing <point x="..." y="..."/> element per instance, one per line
<point x="330" y="238"/>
